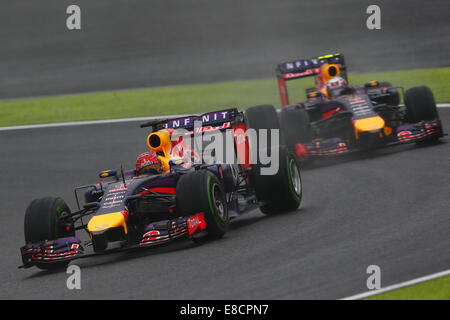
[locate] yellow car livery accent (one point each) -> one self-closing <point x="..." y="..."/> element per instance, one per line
<point x="107" y="221"/>
<point x="165" y="163"/>
<point x="328" y="56"/>
<point x="330" y="71"/>
<point x="373" y="83"/>
<point x="161" y="143"/>
<point x="368" y="124"/>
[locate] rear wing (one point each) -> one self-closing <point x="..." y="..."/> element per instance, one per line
<point x="207" y="121"/>
<point x="308" y="67"/>
<point x="211" y="121"/>
<point x="305" y="68"/>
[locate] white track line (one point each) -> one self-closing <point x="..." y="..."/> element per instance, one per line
<point x="93" y="122"/>
<point x="84" y="123"/>
<point x="398" y="285"/>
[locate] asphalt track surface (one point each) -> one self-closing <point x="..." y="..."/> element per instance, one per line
<point x="389" y="208"/>
<point x="135" y="43"/>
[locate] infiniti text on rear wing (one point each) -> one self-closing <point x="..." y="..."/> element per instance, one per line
<point x="221" y="119"/>
<point x="305" y="68"/>
<point x="308" y="67"/>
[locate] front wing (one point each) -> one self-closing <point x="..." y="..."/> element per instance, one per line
<point x="70" y="248"/>
<point x="407" y="133"/>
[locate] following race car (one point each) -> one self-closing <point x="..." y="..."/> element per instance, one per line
<point x="338" y="119"/>
<point x="170" y="195"/>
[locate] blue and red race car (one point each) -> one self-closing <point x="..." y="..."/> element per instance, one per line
<point x="338" y="119"/>
<point x="170" y="195"/>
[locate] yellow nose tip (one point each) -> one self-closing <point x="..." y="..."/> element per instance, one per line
<point x="107" y="221"/>
<point x="369" y="124"/>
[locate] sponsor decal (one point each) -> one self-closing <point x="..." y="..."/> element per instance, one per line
<point x="356" y="101"/>
<point x="196" y="222"/>
<point x="205" y="119"/>
<point x="118" y="189"/>
<point x="209" y="128"/>
<point x="404" y="136"/>
<point x="301" y="74"/>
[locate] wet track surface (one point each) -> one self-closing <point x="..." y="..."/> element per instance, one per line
<point x="390" y="209"/>
<point x="134" y="43"/>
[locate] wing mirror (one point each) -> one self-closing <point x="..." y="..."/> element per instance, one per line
<point x="371" y="84"/>
<point x="108" y="173"/>
<point x="314" y="94"/>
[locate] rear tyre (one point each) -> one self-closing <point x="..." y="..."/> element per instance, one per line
<point x="201" y="191"/>
<point x="264" y="117"/>
<point x="277" y="192"/>
<point x="295" y="124"/>
<point x="43" y="223"/>
<point x="281" y="192"/>
<point x="420" y="104"/>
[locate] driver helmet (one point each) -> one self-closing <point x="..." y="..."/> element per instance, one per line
<point x="336" y="86"/>
<point x="148" y="163"/>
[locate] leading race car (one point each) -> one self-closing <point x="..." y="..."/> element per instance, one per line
<point x="338" y="119"/>
<point x="170" y="195"/>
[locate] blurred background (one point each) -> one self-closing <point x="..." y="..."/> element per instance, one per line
<point x="135" y="43"/>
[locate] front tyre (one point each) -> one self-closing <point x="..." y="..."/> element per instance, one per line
<point x="201" y="191"/>
<point x="43" y="223"/>
<point x="420" y="105"/>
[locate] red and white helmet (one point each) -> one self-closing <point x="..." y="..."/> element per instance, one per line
<point x="148" y="163"/>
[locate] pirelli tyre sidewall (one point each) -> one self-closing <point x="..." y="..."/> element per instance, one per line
<point x="294" y="181"/>
<point x="201" y="191"/>
<point x="283" y="191"/>
<point x="43" y="223"/>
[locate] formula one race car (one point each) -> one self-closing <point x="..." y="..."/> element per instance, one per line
<point x="177" y="196"/>
<point x="338" y="119"/>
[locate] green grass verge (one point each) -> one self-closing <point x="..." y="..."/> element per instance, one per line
<point x="191" y="99"/>
<point x="437" y="289"/>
